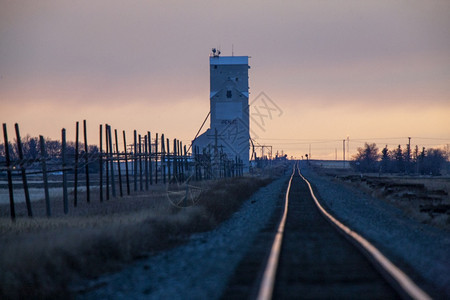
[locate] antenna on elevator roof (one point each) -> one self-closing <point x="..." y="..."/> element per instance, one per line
<point x="215" y="52"/>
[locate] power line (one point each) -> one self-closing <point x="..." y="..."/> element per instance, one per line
<point x="431" y="138"/>
<point x="292" y="139"/>
<point x="355" y="139"/>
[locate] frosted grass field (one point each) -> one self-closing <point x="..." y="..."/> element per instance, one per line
<point x="36" y="194"/>
<point x="40" y="256"/>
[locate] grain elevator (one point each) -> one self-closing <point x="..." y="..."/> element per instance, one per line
<point x="229" y="108"/>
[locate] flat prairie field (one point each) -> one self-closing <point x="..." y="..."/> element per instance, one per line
<point x="41" y="256"/>
<point x="423" y="198"/>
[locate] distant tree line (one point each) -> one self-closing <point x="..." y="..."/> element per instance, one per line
<point x="405" y="161"/>
<point x="31" y="151"/>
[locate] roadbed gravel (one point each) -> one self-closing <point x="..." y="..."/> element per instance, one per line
<point x="198" y="269"/>
<point x="422" y="251"/>
<point x="201" y="268"/>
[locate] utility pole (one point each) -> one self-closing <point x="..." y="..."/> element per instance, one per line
<point x="309" y="151"/>
<point x="348" y="146"/>
<point x="408" y="155"/>
<point x="343" y="150"/>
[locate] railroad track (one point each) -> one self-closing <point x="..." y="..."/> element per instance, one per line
<point x="313" y="255"/>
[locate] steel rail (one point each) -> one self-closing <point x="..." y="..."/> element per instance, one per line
<point x="406" y="283"/>
<point x="268" y="280"/>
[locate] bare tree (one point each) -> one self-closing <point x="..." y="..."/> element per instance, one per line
<point x="434" y="161"/>
<point x="399" y="161"/>
<point x="366" y="159"/>
<point x="385" y="160"/>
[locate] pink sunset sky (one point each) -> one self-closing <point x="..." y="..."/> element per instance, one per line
<point x="373" y="71"/>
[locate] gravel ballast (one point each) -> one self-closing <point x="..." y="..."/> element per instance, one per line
<point x="420" y="250"/>
<point x="198" y="269"/>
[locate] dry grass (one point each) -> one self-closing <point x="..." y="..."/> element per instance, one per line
<point x="423" y="198"/>
<point x="40" y="257"/>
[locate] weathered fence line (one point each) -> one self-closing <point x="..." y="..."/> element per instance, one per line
<point x="44" y="175"/>
<point x="150" y="162"/>
<point x="22" y="170"/>
<point x="88" y="198"/>
<point x="64" y="166"/>
<point x="9" y="174"/>
<point x="118" y="165"/>
<point x="126" y="162"/>
<point x="75" y="191"/>
<point x="101" y="162"/>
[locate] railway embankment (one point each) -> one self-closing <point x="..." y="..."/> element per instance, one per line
<point x="203" y="266"/>
<point x="418" y="248"/>
<point x="198" y="269"/>
<point x="43" y="257"/>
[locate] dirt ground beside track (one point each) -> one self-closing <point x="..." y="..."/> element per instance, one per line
<point x="424" y="198"/>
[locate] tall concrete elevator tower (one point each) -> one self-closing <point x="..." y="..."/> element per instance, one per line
<point x="229" y="92"/>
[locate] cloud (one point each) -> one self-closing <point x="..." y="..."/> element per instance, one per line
<point x="109" y="54"/>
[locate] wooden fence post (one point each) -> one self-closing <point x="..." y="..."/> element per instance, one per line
<point x="141" y="183"/>
<point x="9" y="174"/>
<point x="75" y="191"/>
<point x="64" y="167"/>
<point x="199" y="167"/>
<point x="196" y="166"/>
<point x="175" y="162"/>
<point x="126" y="163"/>
<point x="156" y="159"/>
<point x="210" y="164"/>
<point x="168" y="161"/>
<point x="238" y="166"/>
<point x="232" y="168"/>
<point x="86" y="153"/>
<point x="223" y="162"/>
<point x="180" y="161"/>
<point x="135" y="161"/>
<point x="186" y="166"/>
<point x="141" y="173"/>
<point x="150" y="156"/>
<point x="118" y="164"/>
<point x="163" y="158"/>
<point x="111" y="152"/>
<point x="202" y="165"/>
<point x="107" y="150"/>
<point x="194" y="151"/>
<point x="44" y="175"/>
<point x="241" y="167"/>
<point x="146" y="162"/>
<point x="22" y="169"/>
<point x="100" y="159"/>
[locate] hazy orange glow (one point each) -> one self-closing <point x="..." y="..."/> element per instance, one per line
<point x="373" y="71"/>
